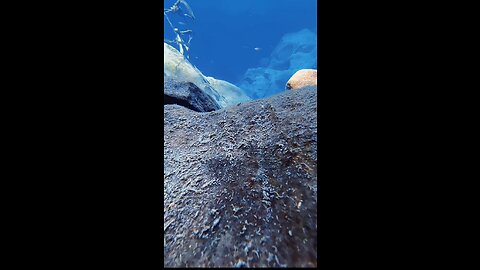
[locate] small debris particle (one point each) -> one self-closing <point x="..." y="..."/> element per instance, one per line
<point x="236" y="209"/>
<point x="215" y="222"/>
<point x="278" y="262"/>
<point x="290" y="232"/>
<point x="168" y="224"/>
<point x="204" y="230"/>
<point x="270" y="257"/>
<point x="247" y="247"/>
<point x="240" y="264"/>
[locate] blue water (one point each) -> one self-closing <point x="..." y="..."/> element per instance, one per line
<point x="226" y="33"/>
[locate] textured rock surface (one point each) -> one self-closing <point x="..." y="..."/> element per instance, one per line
<point x="241" y="184"/>
<point x="302" y="78"/>
<point x="188" y="95"/>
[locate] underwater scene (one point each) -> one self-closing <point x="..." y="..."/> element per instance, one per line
<point x="240" y="133"/>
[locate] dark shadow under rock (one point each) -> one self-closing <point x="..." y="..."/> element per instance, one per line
<point x="188" y="95"/>
<point x="240" y="184"/>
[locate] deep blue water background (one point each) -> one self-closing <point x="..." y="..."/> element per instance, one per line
<point x="227" y="31"/>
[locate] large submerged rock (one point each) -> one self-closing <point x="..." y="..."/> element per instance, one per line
<point x="187" y="95"/>
<point x="232" y="94"/>
<point x="177" y="67"/>
<point x="240" y="184"/>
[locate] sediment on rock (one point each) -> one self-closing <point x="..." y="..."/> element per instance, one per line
<point x="240" y="184"/>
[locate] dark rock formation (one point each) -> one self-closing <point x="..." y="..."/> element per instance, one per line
<point x="188" y="95"/>
<point x="241" y="184"/>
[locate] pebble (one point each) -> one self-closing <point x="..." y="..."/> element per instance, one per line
<point x="215" y="222"/>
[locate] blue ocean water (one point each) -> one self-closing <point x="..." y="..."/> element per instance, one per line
<point x="231" y="36"/>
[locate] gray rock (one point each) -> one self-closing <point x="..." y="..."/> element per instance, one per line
<point x="240" y="184"/>
<point x="188" y="95"/>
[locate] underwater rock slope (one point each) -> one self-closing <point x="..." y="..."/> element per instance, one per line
<point x="240" y="184"/>
<point x="177" y="67"/>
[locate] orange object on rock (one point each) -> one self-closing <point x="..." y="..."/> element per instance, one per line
<point x="302" y="78"/>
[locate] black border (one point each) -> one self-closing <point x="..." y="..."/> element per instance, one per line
<point x="87" y="138"/>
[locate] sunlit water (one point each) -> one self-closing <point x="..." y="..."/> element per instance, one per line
<point x="229" y="37"/>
